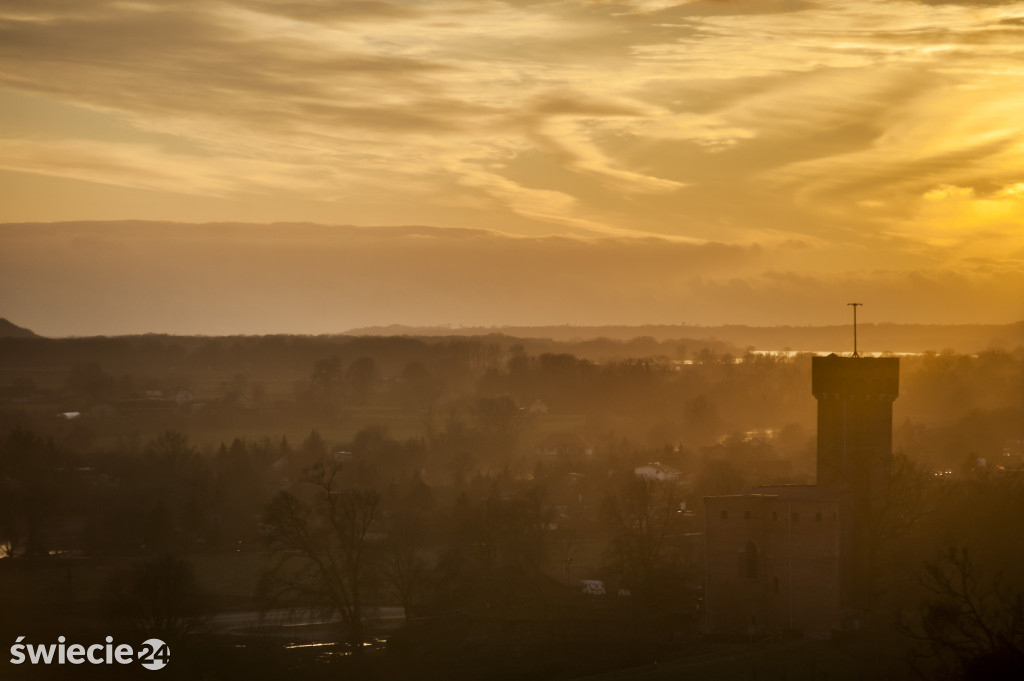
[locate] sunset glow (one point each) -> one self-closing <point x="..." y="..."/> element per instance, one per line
<point x="756" y="161"/>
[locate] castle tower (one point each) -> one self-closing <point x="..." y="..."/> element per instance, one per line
<point x="855" y="396"/>
<point x="804" y="557"/>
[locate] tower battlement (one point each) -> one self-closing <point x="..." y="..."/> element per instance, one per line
<point x="855" y="396"/>
<point x="836" y="377"/>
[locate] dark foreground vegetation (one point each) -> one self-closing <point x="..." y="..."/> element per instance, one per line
<point x="454" y="507"/>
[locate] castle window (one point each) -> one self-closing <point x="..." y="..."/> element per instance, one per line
<point x="775" y="515"/>
<point x="750" y="560"/>
<point x="746" y="515"/>
<point x="775" y="582"/>
<point x="817" y="516"/>
<point x="725" y="515"/>
<point x="795" y="517"/>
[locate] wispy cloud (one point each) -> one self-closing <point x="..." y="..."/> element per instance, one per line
<point x="750" y="121"/>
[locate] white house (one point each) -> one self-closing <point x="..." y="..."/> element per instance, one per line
<point x="657" y="471"/>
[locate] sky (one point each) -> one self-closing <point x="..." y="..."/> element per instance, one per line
<point x="308" y="166"/>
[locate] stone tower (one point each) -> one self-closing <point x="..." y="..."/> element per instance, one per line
<point x="855" y="396"/>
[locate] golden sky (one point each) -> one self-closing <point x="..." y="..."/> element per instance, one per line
<point x="574" y="161"/>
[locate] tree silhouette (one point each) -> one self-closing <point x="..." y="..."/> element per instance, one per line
<point x="33" y="480"/>
<point x="973" y="623"/>
<point x="642" y="515"/>
<point x="403" y="563"/>
<point x="322" y="549"/>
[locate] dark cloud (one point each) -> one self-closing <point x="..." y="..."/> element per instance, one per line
<point x="88" y="278"/>
<point x="114" y="277"/>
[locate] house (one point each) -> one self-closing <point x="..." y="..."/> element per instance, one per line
<point x="657" y="471"/>
<point x="341" y="457"/>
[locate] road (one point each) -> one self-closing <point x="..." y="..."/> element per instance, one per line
<point x="385" y="617"/>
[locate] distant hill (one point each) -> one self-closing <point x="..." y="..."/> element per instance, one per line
<point x="964" y="338"/>
<point x="9" y="330"/>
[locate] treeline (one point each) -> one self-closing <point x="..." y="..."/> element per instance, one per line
<point x="158" y="356"/>
<point x="956" y="409"/>
<point x="952" y="410"/>
<point x="147" y="353"/>
<point x="887" y="337"/>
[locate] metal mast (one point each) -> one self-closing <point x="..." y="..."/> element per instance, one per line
<point x="855" y="306"/>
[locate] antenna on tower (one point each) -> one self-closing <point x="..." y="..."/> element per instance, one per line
<point x="855" y="306"/>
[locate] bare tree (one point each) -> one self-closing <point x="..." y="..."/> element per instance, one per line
<point x="642" y="515"/>
<point x="403" y="564"/>
<point x="894" y="515"/>
<point x="972" y="623"/>
<point x="322" y="549"/>
<point x="33" y="483"/>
